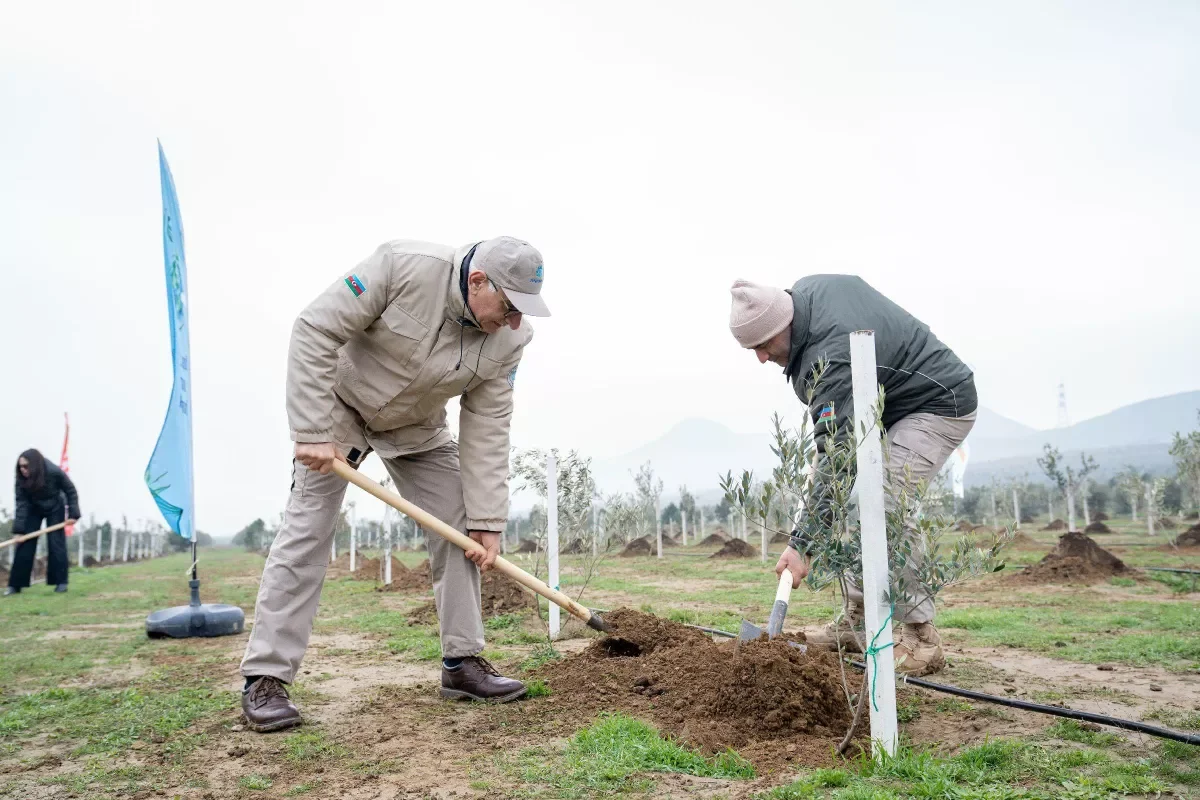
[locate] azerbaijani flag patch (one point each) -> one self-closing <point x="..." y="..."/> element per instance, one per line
<point x="826" y="414"/>
<point x="357" y="285"/>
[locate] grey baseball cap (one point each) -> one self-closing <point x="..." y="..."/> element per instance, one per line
<point x="516" y="267"/>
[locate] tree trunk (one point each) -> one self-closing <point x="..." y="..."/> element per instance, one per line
<point x="1150" y="509"/>
<point x="763" y="529"/>
<point x="1133" y="503"/>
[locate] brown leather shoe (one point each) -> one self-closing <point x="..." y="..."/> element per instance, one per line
<point x="476" y="679"/>
<point x="267" y="707"/>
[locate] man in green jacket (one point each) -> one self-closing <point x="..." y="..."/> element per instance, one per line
<point x="929" y="408"/>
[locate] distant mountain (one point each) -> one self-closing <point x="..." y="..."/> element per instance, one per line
<point x="696" y="452"/>
<point x="1149" y="422"/>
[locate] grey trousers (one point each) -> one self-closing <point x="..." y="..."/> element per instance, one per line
<point x="918" y="447"/>
<point x="295" y="569"/>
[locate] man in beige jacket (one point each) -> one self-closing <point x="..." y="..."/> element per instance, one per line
<point x="372" y="363"/>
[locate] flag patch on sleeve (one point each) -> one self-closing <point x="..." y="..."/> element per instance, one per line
<point x="826" y="414"/>
<point x="512" y="378"/>
<point x="357" y="285"/>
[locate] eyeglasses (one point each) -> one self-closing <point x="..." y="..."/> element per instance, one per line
<point x="509" y="309"/>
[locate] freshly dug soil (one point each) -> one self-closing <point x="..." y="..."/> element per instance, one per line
<point x="1189" y="538"/>
<point x="761" y="697"/>
<point x="780" y="538"/>
<point x="408" y="580"/>
<point x="1076" y="559"/>
<point x="1166" y="523"/>
<point x="711" y="540"/>
<point x="1057" y="525"/>
<point x="527" y="546"/>
<point x="669" y="542"/>
<point x="1100" y="516"/>
<point x="638" y="547"/>
<point x="576" y="547"/>
<point x="90" y="561"/>
<point x="736" y="548"/>
<point x="1022" y="539"/>
<point x="1097" y="527"/>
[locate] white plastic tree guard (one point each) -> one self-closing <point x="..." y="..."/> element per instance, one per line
<point x="81" y="538"/>
<point x="658" y="525"/>
<point x="353" y="540"/>
<point x="881" y="666"/>
<point x="552" y="537"/>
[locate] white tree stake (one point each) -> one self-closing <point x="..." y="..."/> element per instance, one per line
<point x="683" y="523"/>
<point x="552" y="538"/>
<point x="353" y="539"/>
<point x="81" y="538"/>
<point x="387" y="554"/>
<point x="881" y="668"/>
<point x="1070" y="505"/>
<point x="1016" y="509"/>
<point x="658" y="525"/>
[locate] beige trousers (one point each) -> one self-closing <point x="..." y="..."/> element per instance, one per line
<point x="918" y="447"/>
<point x="295" y="569"/>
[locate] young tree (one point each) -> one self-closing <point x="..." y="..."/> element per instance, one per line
<point x="820" y="490"/>
<point x="1067" y="479"/>
<point x="576" y="489"/>
<point x="649" y="495"/>
<point x="1186" y="452"/>
<point x="1130" y="484"/>
<point x="688" y="513"/>
<point x="1152" y="489"/>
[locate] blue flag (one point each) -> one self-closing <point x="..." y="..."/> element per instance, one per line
<point x="169" y="473"/>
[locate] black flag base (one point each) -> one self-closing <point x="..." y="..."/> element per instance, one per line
<point x="195" y="619"/>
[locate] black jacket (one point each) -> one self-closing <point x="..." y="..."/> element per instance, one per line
<point x="918" y="373"/>
<point x="33" y="506"/>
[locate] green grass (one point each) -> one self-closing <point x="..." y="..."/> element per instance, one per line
<point x="256" y="783"/>
<point x="541" y="654"/>
<point x="312" y="746"/>
<point x="998" y="770"/>
<point x="1072" y="731"/>
<point x="610" y="756"/>
<point x="421" y="644"/>
<point x="537" y="689"/>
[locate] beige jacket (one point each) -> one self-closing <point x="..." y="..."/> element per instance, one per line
<point x="386" y="341"/>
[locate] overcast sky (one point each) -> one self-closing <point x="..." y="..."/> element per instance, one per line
<point x="1021" y="176"/>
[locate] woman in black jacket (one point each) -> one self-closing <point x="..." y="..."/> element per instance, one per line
<point x="40" y="493"/>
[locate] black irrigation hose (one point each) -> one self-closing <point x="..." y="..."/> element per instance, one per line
<point x="1069" y="713"/>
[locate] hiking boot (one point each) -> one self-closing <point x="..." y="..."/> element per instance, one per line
<point x="840" y="630"/>
<point x="919" y="650"/>
<point x="267" y="707"/>
<point x="12" y="590"/>
<point x="62" y="587"/>
<point x="476" y="679"/>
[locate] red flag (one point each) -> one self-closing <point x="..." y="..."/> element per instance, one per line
<point x="64" y="463"/>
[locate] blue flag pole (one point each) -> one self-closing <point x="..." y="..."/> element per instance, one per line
<point x="169" y="474"/>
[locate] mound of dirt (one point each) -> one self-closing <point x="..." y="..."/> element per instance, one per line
<point x="761" y="695"/>
<point x="1189" y="538"/>
<point x="90" y="561"/>
<point x="1057" y="525"/>
<point x="669" y="542"/>
<point x="527" y="546"/>
<point x="638" y="547"/>
<point x="964" y="526"/>
<point x="1022" y="539"/>
<point x="1166" y="523"/>
<point x="1097" y="527"/>
<point x="500" y="595"/>
<point x="1192" y="515"/>
<point x="575" y="547"/>
<point x="1100" y="516"/>
<point x="1076" y="559"/>
<point x="780" y="538"/>
<point x="736" y="548"/>
<point x="711" y="540"/>
<point x="408" y="580"/>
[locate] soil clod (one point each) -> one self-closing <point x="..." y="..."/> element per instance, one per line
<point x="1189" y="538"/>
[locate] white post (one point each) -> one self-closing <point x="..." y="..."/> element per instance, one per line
<point x="1150" y="508"/>
<point x="881" y="669"/>
<point x="700" y="538"/>
<point x="333" y="547"/>
<point x="81" y="538"/>
<point x="387" y="555"/>
<point x="125" y="549"/>
<point x="683" y="523"/>
<point x="112" y="546"/>
<point x="1017" y="509"/>
<point x="353" y="540"/>
<point x="552" y="537"/>
<point x="595" y="531"/>
<point x="1087" y="516"/>
<point x="1070" y="506"/>
<point x="99" y="540"/>
<point x="658" y="525"/>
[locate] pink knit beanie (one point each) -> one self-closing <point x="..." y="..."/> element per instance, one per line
<point x="758" y="312"/>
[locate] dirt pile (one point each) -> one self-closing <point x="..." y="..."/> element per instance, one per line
<point x="1189" y="538"/>
<point x="638" y="547"/>
<point x="736" y="548"/>
<point x="1097" y="527"/>
<point x="759" y="697"/>
<point x="1057" y="525"/>
<point x="1166" y="523"/>
<point x="497" y="594"/>
<point x="90" y="561"/>
<point x="670" y="542"/>
<point x="1100" y="516"/>
<point x="964" y="526"/>
<point x="1021" y="539"/>
<point x="1076" y="559"/>
<point x="712" y="540"/>
<point x="527" y="546"/>
<point x="408" y="580"/>
<point x="780" y="538"/>
<point x="575" y="547"/>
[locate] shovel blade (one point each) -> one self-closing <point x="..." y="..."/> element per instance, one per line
<point x="749" y="632"/>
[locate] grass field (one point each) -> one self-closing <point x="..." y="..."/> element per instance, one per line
<point x="91" y="708"/>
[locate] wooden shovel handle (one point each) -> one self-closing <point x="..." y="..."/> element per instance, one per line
<point x="432" y="523"/>
<point x="25" y="536"/>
